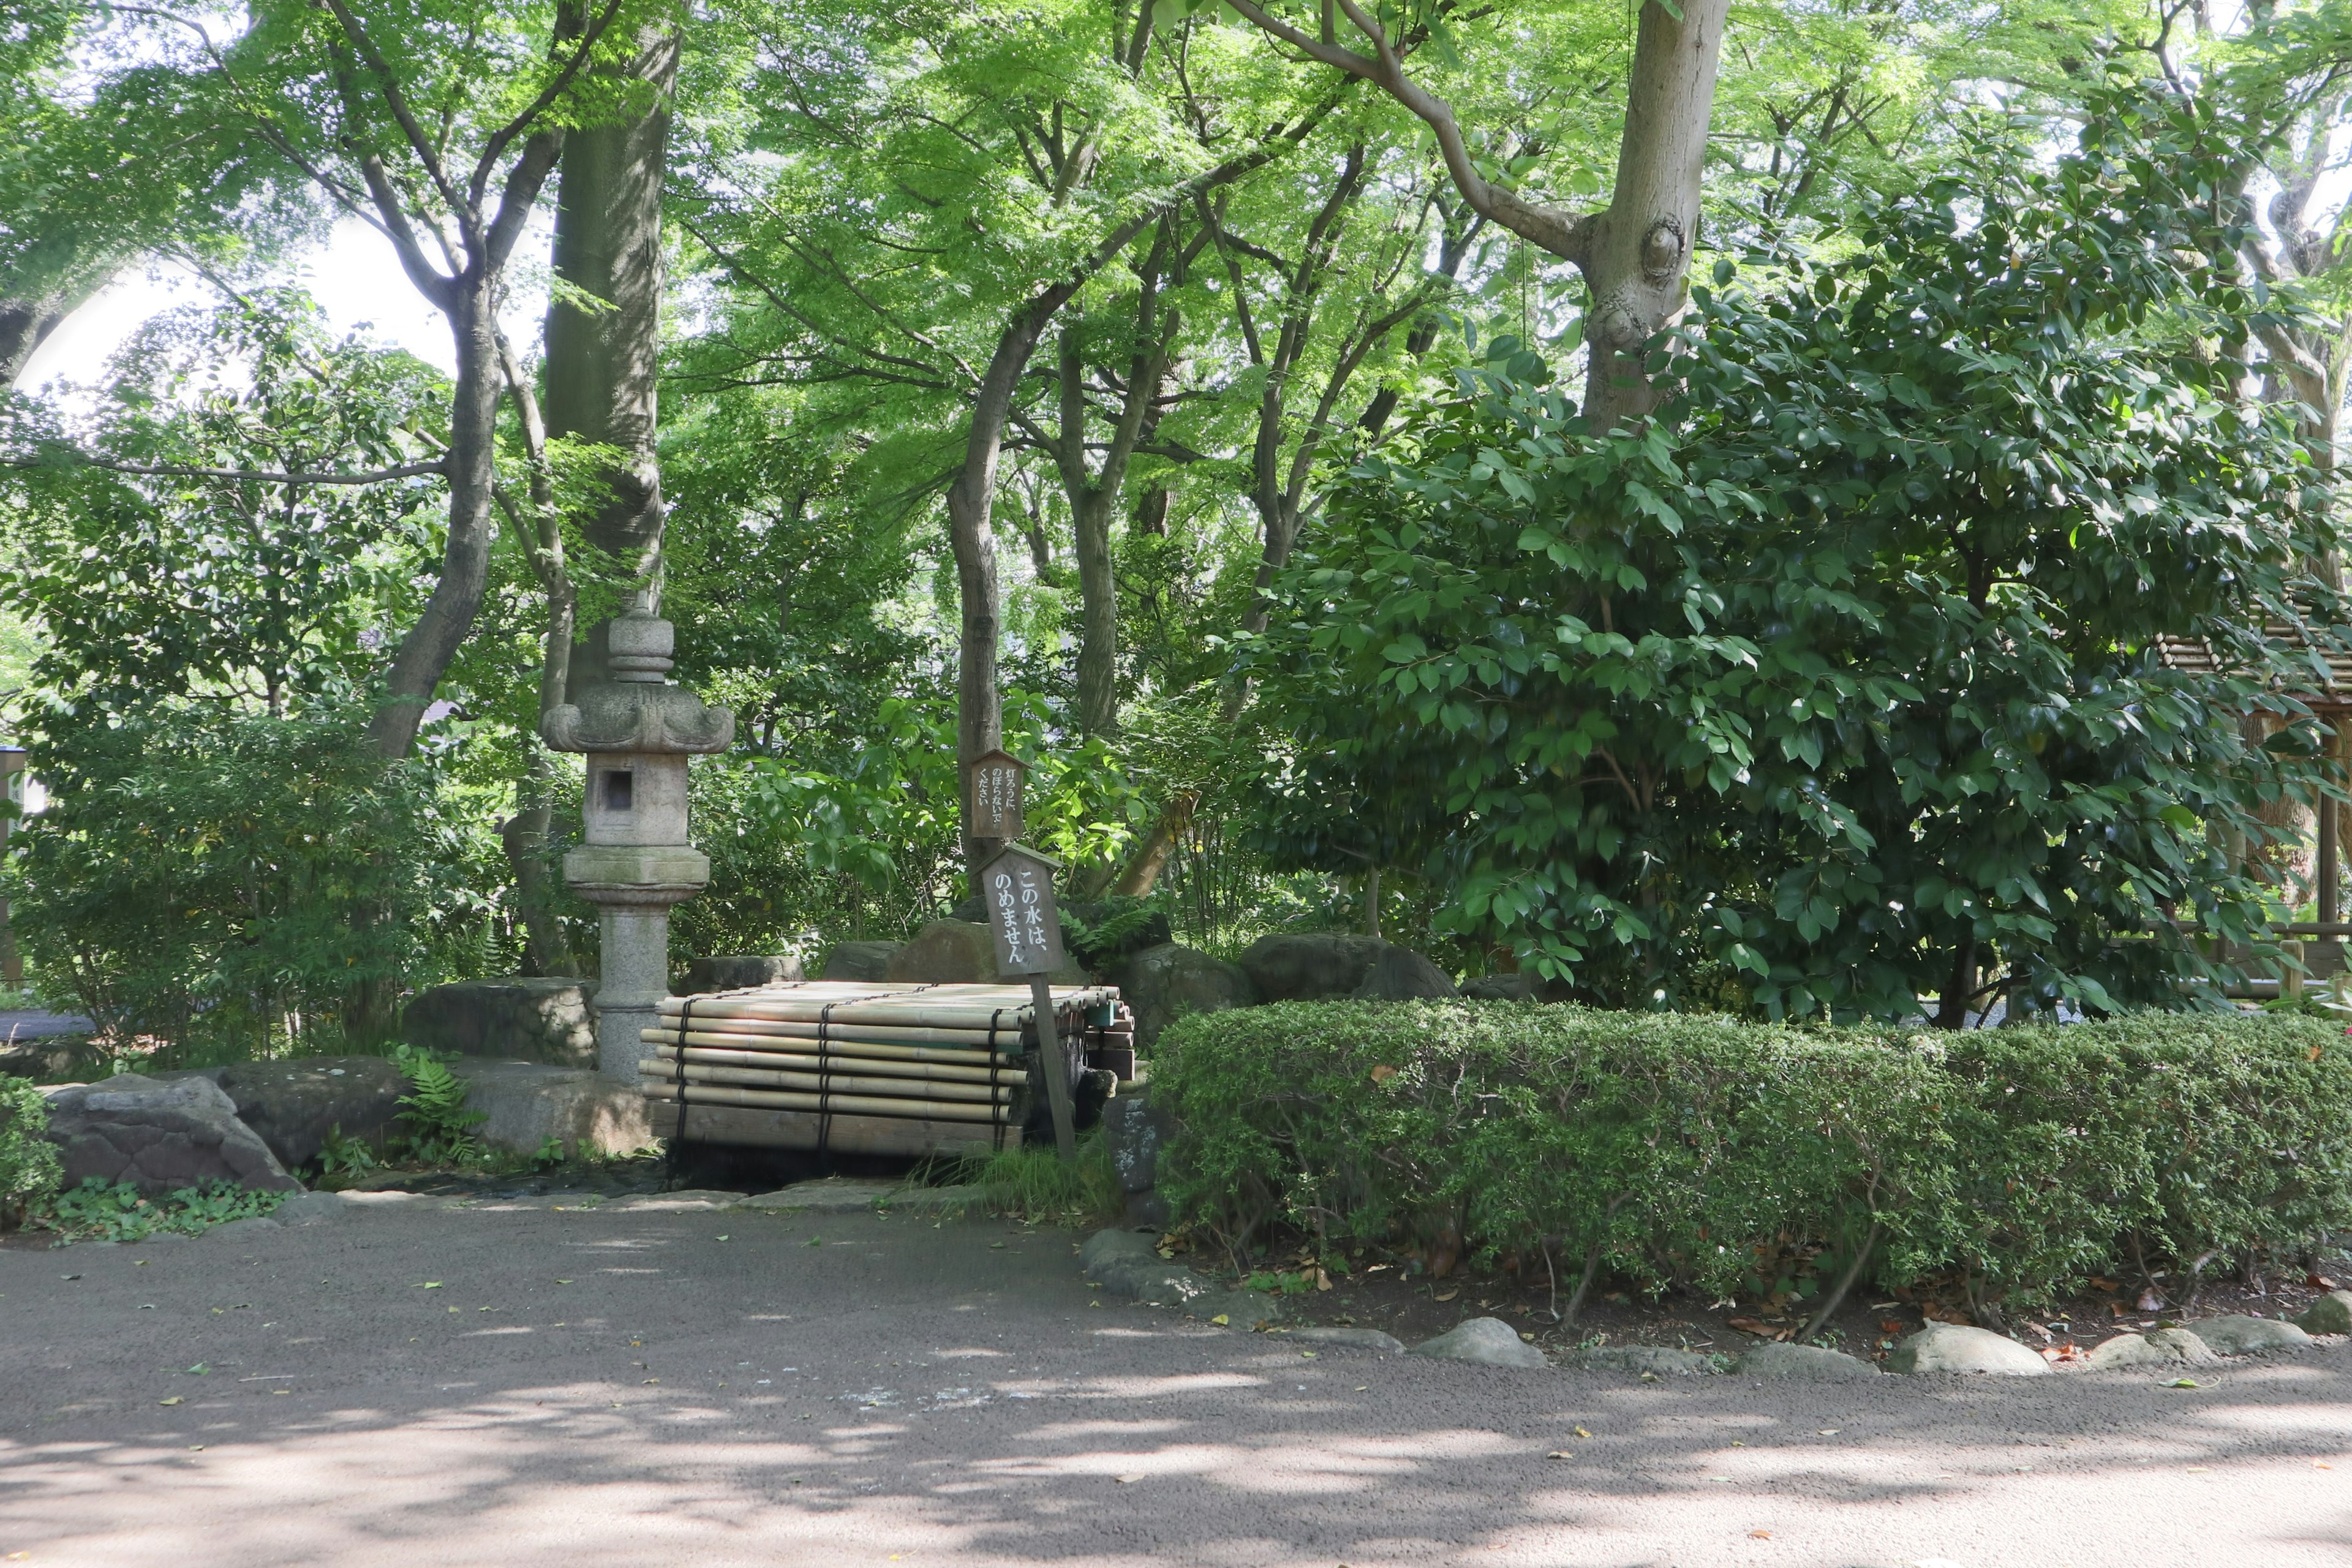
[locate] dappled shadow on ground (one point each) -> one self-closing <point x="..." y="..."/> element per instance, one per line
<point x="851" y="1392"/>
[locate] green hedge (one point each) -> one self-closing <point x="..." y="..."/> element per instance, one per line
<point x="1744" y="1159"/>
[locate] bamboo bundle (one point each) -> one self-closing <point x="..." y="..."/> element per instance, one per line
<point x="838" y="1085"/>
<point x="776" y="1064"/>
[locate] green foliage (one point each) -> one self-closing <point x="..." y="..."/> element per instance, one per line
<point x="439" y="1128"/>
<point x="344" y="1160"/>
<point x="1034" y="1184"/>
<point x="1739" y="1158"/>
<point x="29" y="1171"/>
<point x="239" y="885"/>
<point x="1839" y="685"/>
<point x="99" y="1211"/>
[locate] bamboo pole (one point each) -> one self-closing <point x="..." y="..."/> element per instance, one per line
<point x="781" y="1061"/>
<point x="803" y="1045"/>
<point x="835" y="1084"/>
<point x="854" y="1105"/>
<point x="1006" y="1035"/>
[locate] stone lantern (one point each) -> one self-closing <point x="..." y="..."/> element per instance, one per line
<point x="637" y="730"/>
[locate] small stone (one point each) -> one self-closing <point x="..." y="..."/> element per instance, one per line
<point x="2251" y="1336"/>
<point x="1359" y="1339"/>
<point x="1801" y="1364"/>
<point x="2331" y="1315"/>
<point x="1649" y="1360"/>
<point x="2161" y="1347"/>
<point x="1956" y="1347"/>
<point x="1487" y="1341"/>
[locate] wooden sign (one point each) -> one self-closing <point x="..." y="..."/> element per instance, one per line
<point x="995" y="803"/>
<point x="1018" y="888"/>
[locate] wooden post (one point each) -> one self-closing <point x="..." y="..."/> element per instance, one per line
<point x="2330" y="850"/>
<point x="1057" y="1070"/>
<point x="1018" y="887"/>
<point x="2291" y="971"/>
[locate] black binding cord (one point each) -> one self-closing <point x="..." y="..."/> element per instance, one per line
<point x="995" y="1116"/>
<point x="677" y="1081"/>
<point x="824" y="1089"/>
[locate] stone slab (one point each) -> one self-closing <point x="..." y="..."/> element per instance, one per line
<point x="529" y="1103"/>
<point x="526" y="1018"/>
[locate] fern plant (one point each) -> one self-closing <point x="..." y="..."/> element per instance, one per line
<point x="440" y="1128"/>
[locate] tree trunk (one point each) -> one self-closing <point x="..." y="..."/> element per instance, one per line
<point x="1638" y="252"/>
<point x="24" y="324"/>
<point x="1150" y="856"/>
<point x="979" y="711"/>
<point x="425" y="652"/>
<point x="1097" y="618"/>
<point x="603" y="364"/>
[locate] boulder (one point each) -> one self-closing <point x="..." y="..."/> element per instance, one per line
<point x="1652" y="1361"/>
<point x="1400" y="974"/>
<point x="532" y="1018"/>
<point x="735" y="971"/>
<point x="952" y="951"/>
<point x="2331" y="1315"/>
<point x="2159" y="1347"/>
<point x="2251" y="1336"/>
<point x="529" y="1103"/>
<point x="1956" y="1347"/>
<point x="1127" y="1263"/>
<point x="1165" y="983"/>
<point x="159" y="1136"/>
<point x="53" y="1060"/>
<point x="1801" y="1364"/>
<point x="1135" y="1133"/>
<point x="1302" y="966"/>
<point x="1354" y="1338"/>
<point x="1489" y="1341"/>
<point x="858" y="961"/>
<point x="1502" y="988"/>
<point x="294" y="1104"/>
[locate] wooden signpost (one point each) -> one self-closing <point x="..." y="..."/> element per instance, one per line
<point x="1017" y="887"/>
<point x="993" y="810"/>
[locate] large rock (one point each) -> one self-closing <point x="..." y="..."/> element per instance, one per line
<point x="1649" y="1360"/>
<point x="860" y="960"/>
<point x="1400" y="974"/>
<point x="294" y="1104"/>
<point x="159" y="1136"/>
<point x="1489" y="1341"/>
<point x="1124" y="1263"/>
<point x="1303" y="966"/>
<point x="530" y="1103"/>
<point x="1956" y="1347"/>
<point x="2251" y="1336"/>
<point x="1166" y="983"/>
<point x="1802" y="1363"/>
<point x="1135" y="1133"/>
<point x="735" y="971"/>
<point x="947" y="953"/>
<point x="517" y="1018"/>
<point x="2160" y="1347"/>
<point x="2331" y="1315"/>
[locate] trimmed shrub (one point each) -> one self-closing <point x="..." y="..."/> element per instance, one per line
<point x="29" y="1171"/>
<point x="1745" y="1159"/>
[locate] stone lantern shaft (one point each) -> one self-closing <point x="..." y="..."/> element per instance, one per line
<point x="637" y="730"/>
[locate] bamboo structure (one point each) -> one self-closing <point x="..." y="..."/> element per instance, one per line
<point x="870" y="1067"/>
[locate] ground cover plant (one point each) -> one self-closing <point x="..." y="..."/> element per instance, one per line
<point x="116" y="1211"/>
<point x="1760" y="1161"/>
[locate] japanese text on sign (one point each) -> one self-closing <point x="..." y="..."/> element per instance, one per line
<point x="1020" y="892"/>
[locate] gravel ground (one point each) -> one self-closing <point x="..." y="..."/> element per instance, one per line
<point x="531" y="1383"/>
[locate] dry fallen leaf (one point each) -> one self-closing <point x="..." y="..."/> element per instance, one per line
<point x="2319" y="1281"/>
<point x="1382" y="1073"/>
<point x="1760" y="1535"/>
<point x="1448" y="1295"/>
<point x="173" y="1400"/>
<point x="1221" y="1319"/>
<point x="1322" y="1280"/>
<point x="1582" y="1433"/>
<point x="1560" y="1454"/>
<point x="1889" y="1326"/>
<point x="1128" y="1480"/>
<point x="2317" y="1464"/>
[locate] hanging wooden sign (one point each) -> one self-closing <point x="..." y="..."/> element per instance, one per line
<point x="1018" y="888"/>
<point x="994" y="808"/>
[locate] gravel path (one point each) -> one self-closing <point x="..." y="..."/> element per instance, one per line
<point x="524" y="1384"/>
